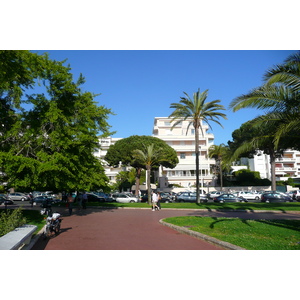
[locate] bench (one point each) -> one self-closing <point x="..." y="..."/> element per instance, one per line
<point x="17" y="238"/>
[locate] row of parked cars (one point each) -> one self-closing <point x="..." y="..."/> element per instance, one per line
<point x="187" y="196"/>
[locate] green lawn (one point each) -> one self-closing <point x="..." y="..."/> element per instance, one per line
<point x="248" y="234"/>
<point x="290" y="206"/>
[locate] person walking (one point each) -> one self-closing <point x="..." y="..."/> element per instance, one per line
<point x="79" y="197"/>
<point x="84" y="200"/>
<point x="70" y="203"/>
<point x="158" y="200"/>
<point x="154" y="201"/>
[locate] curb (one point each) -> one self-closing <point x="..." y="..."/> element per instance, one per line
<point x="202" y="236"/>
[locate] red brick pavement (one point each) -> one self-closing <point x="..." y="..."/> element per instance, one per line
<point x="135" y="229"/>
<point x="121" y="229"/>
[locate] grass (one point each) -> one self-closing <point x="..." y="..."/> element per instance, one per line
<point x="290" y="206"/>
<point x="34" y="217"/>
<point x="248" y="234"/>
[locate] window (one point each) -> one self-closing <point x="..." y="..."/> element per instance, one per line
<point x="182" y="155"/>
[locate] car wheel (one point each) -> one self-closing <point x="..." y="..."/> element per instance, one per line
<point x="256" y="198"/>
<point x="221" y="201"/>
<point x="167" y="201"/>
<point x="22" y="199"/>
<point x="131" y="201"/>
<point x="267" y="201"/>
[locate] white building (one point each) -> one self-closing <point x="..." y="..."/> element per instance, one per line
<point x="183" y="142"/>
<point x="105" y="143"/>
<point x="286" y="166"/>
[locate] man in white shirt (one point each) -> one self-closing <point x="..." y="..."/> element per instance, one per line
<point x="154" y="201"/>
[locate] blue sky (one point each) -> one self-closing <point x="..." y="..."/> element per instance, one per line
<point x="138" y="85"/>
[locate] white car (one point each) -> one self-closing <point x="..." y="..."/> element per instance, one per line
<point x="248" y="195"/>
<point x="124" y="198"/>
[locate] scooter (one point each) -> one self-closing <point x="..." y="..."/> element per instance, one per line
<point x="52" y="225"/>
<point x="53" y="221"/>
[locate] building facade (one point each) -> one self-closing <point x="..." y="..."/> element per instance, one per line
<point x="105" y="143"/>
<point x="288" y="165"/>
<point x="182" y="140"/>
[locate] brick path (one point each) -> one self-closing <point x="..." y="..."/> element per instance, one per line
<point x="135" y="229"/>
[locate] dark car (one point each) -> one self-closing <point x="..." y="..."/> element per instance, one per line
<point x="271" y="196"/>
<point x="224" y="198"/>
<point x="4" y="200"/>
<point x="164" y="199"/>
<point x="42" y="199"/>
<point x="190" y="197"/>
<point x="94" y="198"/>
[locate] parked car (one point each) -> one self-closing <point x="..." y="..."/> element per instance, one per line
<point x="5" y="201"/>
<point x="248" y="195"/>
<point x="94" y="198"/>
<point x="18" y="196"/>
<point x="273" y="196"/>
<point x="41" y="199"/>
<point x="190" y="197"/>
<point x="164" y="198"/>
<point x="295" y="194"/>
<point x="214" y="194"/>
<point x="101" y="195"/>
<point x="124" y="198"/>
<point x="224" y="198"/>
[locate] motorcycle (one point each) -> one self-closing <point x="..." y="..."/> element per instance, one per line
<point x="53" y="221"/>
<point x="52" y="225"/>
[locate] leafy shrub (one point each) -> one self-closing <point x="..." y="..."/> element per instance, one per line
<point x="11" y="219"/>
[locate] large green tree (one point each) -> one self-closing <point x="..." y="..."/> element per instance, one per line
<point x="196" y="110"/>
<point x="48" y="137"/>
<point x="123" y="151"/>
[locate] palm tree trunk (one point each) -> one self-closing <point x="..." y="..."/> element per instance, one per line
<point x="197" y="163"/>
<point x="137" y="181"/>
<point x="273" y="177"/>
<point x="148" y="183"/>
<point x="221" y="175"/>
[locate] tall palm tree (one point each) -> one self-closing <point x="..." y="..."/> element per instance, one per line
<point x="279" y="98"/>
<point x="149" y="157"/>
<point x="196" y="110"/>
<point x="220" y="153"/>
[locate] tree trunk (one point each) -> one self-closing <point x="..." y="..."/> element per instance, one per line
<point x="137" y="181"/>
<point x="197" y="163"/>
<point x="148" y="184"/>
<point x="273" y="177"/>
<point x="221" y="175"/>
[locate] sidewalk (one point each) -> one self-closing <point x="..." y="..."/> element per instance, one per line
<point x="121" y="229"/>
<point x="139" y="229"/>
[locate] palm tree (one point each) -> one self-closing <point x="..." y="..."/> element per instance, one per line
<point x="220" y="153"/>
<point x="196" y="111"/>
<point x="149" y="157"/>
<point x="279" y="98"/>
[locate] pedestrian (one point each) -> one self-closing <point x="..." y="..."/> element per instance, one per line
<point x="84" y="200"/>
<point x="154" y="201"/>
<point x="79" y="201"/>
<point x="158" y="200"/>
<point x="70" y="203"/>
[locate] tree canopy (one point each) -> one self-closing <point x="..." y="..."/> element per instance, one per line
<point x="49" y="126"/>
<point x="124" y="151"/>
